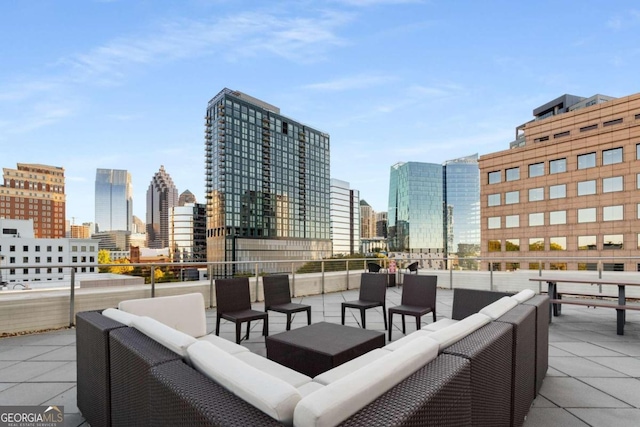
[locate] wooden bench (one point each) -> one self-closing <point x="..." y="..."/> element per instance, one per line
<point x="620" y="309"/>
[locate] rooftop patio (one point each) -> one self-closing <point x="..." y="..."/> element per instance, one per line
<point x="593" y="377"/>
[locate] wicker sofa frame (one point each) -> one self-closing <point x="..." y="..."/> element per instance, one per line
<point x="476" y="381"/>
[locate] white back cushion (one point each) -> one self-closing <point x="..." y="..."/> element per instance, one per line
<point x="498" y="308"/>
<point x="436" y="326"/>
<point x="224" y="344"/>
<point x="182" y="312"/>
<point x="271" y="395"/>
<point x="270" y="367"/>
<point x="176" y="341"/>
<point x="337" y="401"/>
<point x="524" y="295"/>
<point x="392" y="346"/>
<point x="119" y="316"/>
<point x="349" y="367"/>
<point x="455" y="332"/>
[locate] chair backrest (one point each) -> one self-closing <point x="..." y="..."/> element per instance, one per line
<point x="419" y="290"/>
<point x="413" y="266"/>
<point x="276" y="290"/>
<point x="469" y="301"/>
<point x="373" y="267"/>
<point x="232" y="295"/>
<point x="373" y="287"/>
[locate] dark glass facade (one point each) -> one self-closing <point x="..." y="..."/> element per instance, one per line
<point x="113" y="200"/>
<point x="266" y="182"/>
<point x="187" y="233"/>
<point x="462" y="201"/>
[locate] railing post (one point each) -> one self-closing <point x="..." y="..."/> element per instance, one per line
<point x="451" y="277"/>
<point x="210" y="273"/>
<point x="256" y="272"/>
<point x="293" y="280"/>
<point x="72" y="297"/>
<point x="322" y="268"/>
<point x="153" y="281"/>
<point x="347" y="261"/>
<point x="490" y="276"/>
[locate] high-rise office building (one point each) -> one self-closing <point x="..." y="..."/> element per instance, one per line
<point x="186" y="197"/>
<point x="434" y="209"/>
<point x="35" y="192"/>
<point x="367" y="220"/>
<point x="188" y="233"/>
<point x="162" y="196"/>
<point x="462" y="206"/>
<point x="113" y="200"/>
<point x="416" y="215"/>
<point x="381" y="224"/>
<point x="345" y="218"/>
<point x="568" y="189"/>
<point x="267" y="183"/>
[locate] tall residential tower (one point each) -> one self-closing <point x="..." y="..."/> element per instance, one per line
<point x="267" y="183"/>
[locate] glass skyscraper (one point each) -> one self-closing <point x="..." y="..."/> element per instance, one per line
<point x="187" y="233"/>
<point x="266" y="183"/>
<point x="113" y="200"/>
<point x="435" y="208"/>
<point x="162" y="196"/>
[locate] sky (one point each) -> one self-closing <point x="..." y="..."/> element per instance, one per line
<point x="90" y="84"/>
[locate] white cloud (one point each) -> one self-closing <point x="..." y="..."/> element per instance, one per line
<point x="361" y="81"/>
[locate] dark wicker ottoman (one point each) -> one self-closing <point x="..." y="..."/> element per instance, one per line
<point x="315" y="349"/>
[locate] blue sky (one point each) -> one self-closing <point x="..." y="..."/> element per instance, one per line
<point x="125" y="84"/>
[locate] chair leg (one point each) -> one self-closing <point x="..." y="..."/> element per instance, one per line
<point x="390" y="324"/>
<point x="248" y="327"/>
<point x="404" y="327"/>
<point x="434" y="315"/>
<point x="218" y="325"/>
<point x="362" y="318"/>
<point x="238" y="327"/>
<point x="384" y="316"/>
<point x="288" y="321"/>
<point x="265" y="327"/>
<point x="309" y="316"/>
<point x="417" y="323"/>
<point x="343" y="307"/>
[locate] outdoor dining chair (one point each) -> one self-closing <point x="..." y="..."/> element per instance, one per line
<point x="418" y="299"/>
<point x="373" y="267"/>
<point x="373" y="291"/>
<point x="233" y="303"/>
<point x="277" y="297"/>
<point x="413" y="267"/>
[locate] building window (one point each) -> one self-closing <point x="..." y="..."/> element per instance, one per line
<point x="613" y="213"/>
<point x="586" y="161"/>
<point x="12" y="248"/>
<point x="512" y="221"/>
<point x="37" y="260"/>
<point x="536" y="194"/>
<point x="586" y="215"/>
<point x="25" y="248"/>
<point x="59" y="248"/>
<point x="495" y="246"/>
<point x="558" y="191"/>
<point x="558" y="244"/>
<point x="494" y="266"/>
<point x="612" y="122"/>
<point x="588" y="128"/>
<point x="536" y="219"/>
<point x="536" y="266"/>
<point x="638" y="180"/>
<point x="536" y="169"/>
<point x="494" y="222"/>
<point x="513" y="174"/>
<point x="586" y="188"/>
<point x="512" y="245"/>
<point x="48" y="259"/>
<point x="587" y="243"/>
<point x="12" y="260"/>
<point x="558" y="266"/>
<point x="613" y="184"/>
<point x="610" y="157"/>
<point x="493" y="200"/>
<point x="495" y="177"/>
<point x="613" y="241"/>
<point x="48" y="248"/>
<point x="608" y="266"/>
<point x="557" y="166"/>
<point x="512" y="197"/>
<point x="557" y="217"/>
<point x="588" y="266"/>
<point x="536" y="244"/>
<point x="25" y="260"/>
<point x="562" y="134"/>
<point x="637" y="151"/>
<point x="37" y="248"/>
<point x="512" y="266"/>
<point x="59" y="259"/>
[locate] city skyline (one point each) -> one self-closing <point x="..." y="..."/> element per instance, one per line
<point x="122" y="85"/>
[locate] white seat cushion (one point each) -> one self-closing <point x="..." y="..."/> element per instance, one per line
<point x="346" y="368"/>
<point x="337" y="401"/>
<point x="309" y="388"/>
<point x="270" y="367"/>
<point x="182" y="312"/>
<point x="455" y="332"/>
<point x="269" y="394"/>
<point x="524" y="295"/>
<point x="119" y="316"/>
<point x="176" y="341"/>
<point x="223" y="344"/>
<point x="404" y="340"/>
<point x="436" y="326"/>
<point x="498" y="308"/>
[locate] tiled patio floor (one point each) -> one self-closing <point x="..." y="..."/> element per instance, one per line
<point x="593" y="378"/>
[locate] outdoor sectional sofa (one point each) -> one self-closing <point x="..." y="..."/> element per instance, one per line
<point x="144" y="369"/>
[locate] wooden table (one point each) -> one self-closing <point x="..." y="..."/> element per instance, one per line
<point x="315" y="349"/>
<point x="620" y="283"/>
